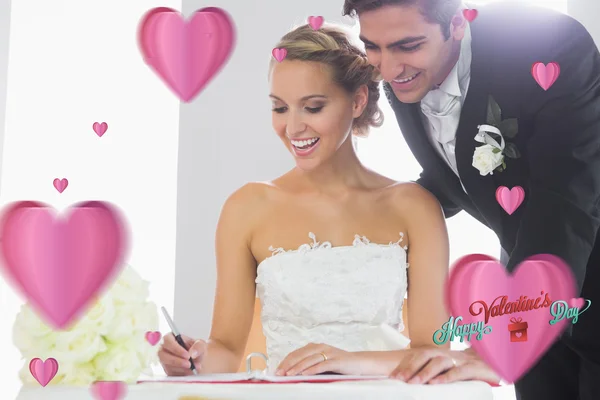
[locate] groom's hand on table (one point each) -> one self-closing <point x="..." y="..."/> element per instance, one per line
<point x="433" y="366"/>
<point x="176" y="360"/>
<point x="314" y="359"/>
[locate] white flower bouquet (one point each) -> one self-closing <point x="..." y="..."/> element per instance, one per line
<point x="107" y="344"/>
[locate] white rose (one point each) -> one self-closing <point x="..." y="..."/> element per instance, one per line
<point x="129" y="288"/>
<point x="78" y="346"/>
<point x="486" y="159"/>
<point x="77" y="374"/>
<point x="99" y="317"/>
<point x="135" y="319"/>
<point x="25" y="375"/>
<point x="121" y="362"/>
<point x="32" y="336"/>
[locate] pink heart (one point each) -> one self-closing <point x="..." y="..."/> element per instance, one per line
<point x="186" y="55"/>
<point x="315" y="22"/>
<point x="511" y="199"/>
<point x="478" y="281"/>
<point x="153" y="337"/>
<point x="470" y="14"/>
<point x="577" y="302"/>
<point x="545" y="75"/>
<point x="43" y="371"/>
<point x="279" y="54"/>
<point x="518" y="334"/>
<point x="60" y="184"/>
<point x="100" y="129"/>
<point x="109" y="390"/>
<point x="61" y="264"/>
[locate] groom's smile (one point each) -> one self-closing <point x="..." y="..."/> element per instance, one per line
<point x="411" y="54"/>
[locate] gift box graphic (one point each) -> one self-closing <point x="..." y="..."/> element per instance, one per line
<point x="518" y="330"/>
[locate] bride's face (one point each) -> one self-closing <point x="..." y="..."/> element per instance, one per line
<point x="311" y="114"/>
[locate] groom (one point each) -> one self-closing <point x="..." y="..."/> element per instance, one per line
<point x="445" y="77"/>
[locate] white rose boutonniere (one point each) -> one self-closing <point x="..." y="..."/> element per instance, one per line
<point x="487" y="158"/>
<point x="491" y="155"/>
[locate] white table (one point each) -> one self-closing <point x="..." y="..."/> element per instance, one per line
<point x="380" y="390"/>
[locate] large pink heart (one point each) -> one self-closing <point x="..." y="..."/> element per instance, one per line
<point x="109" y="390"/>
<point x="186" y="55"/>
<point x="61" y="264"/>
<point x="478" y="282"/>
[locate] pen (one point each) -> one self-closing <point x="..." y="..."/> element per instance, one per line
<point x="177" y="335"/>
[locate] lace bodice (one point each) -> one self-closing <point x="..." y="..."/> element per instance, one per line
<point x="349" y="297"/>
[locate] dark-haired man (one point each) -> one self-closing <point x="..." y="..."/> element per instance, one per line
<point x="475" y="119"/>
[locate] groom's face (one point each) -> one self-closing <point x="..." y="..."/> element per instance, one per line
<point x="412" y="54"/>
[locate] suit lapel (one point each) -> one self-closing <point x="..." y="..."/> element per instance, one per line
<point x="411" y="124"/>
<point x="481" y="189"/>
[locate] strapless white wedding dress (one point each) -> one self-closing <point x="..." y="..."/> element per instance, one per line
<point x="349" y="297"/>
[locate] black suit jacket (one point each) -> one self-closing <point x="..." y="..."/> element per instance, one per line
<point x="558" y="138"/>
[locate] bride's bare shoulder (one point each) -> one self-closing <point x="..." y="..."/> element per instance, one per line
<point x="251" y="193"/>
<point x="412" y="196"/>
<point x="250" y="199"/>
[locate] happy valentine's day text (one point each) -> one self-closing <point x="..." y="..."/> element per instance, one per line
<point x="506" y="307"/>
<point x="561" y="310"/>
<point x="452" y="329"/>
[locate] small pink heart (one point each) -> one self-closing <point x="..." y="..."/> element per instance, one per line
<point x="577" y="302"/>
<point x="545" y="75"/>
<point x="315" y="22"/>
<point x="279" y="54"/>
<point x="43" y="371"/>
<point x="470" y="14"/>
<point x="109" y="390"/>
<point x="511" y="199"/>
<point x="100" y="129"/>
<point x="61" y="184"/>
<point x="518" y="334"/>
<point x="153" y="337"/>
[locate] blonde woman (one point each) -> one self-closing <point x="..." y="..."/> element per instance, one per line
<point x="328" y="245"/>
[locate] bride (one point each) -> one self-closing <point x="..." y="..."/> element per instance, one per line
<point x="331" y="247"/>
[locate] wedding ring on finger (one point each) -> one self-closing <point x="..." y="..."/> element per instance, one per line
<point x="454" y="362"/>
<point x="324" y="356"/>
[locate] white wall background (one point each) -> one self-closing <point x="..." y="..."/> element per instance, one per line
<point x="168" y="166"/>
<point x="588" y="13"/>
<point x="73" y="63"/>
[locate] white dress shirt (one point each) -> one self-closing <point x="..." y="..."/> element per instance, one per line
<point x="441" y="107"/>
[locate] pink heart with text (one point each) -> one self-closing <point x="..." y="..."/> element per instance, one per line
<point x="479" y="284"/>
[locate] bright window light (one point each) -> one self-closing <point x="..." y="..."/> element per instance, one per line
<point x="558" y="5"/>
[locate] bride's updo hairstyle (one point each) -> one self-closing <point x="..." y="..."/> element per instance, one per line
<point x="348" y="65"/>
